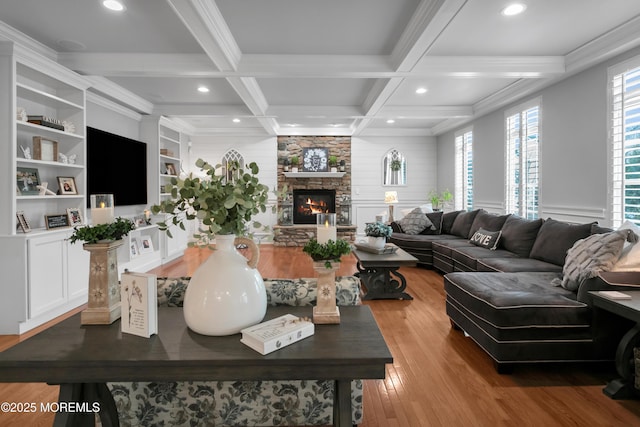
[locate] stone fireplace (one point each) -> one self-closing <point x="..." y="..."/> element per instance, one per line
<point x="308" y="203"/>
<point x="332" y="191"/>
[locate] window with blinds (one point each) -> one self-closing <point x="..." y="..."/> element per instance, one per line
<point x="463" y="194"/>
<point x="522" y="161"/>
<point x="625" y="142"/>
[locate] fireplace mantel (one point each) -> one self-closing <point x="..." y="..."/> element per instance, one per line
<point x="314" y="174"/>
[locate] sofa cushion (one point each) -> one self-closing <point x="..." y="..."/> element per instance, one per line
<point x="630" y="257"/>
<point x="488" y="221"/>
<point x="555" y="238"/>
<point x="436" y="220"/>
<point x="588" y="256"/>
<point x="415" y="222"/>
<point x="447" y="221"/>
<point x="462" y="224"/>
<point x="466" y="258"/>
<point x="519" y="234"/>
<point x="486" y="239"/>
<point x="516" y="264"/>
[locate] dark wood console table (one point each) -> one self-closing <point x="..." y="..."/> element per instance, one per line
<point x="377" y="274"/>
<point x="83" y="358"/>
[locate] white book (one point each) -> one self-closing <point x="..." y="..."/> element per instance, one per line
<point x="274" y="334"/>
<point x="614" y="295"/>
<point x="139" y="304"/>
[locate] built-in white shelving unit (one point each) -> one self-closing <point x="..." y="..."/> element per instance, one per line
<point x="45" y="275"/>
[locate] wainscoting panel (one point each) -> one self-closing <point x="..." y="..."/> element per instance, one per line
<point x="575" y="214"/>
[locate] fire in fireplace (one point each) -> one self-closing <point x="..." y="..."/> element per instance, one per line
<point x="308" y="203"/>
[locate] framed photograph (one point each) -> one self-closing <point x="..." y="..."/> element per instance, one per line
<point x="171" y="169"/>
<point x="134" y="248"/>
<point x="146" y="245"/>
<point x="28" y="180"/>
<point x="23" y="224"/>
<point x="56" y="221"/>
<point x="75" y="216"/>
<point x="45" y="149"/>
<point x="67" y="185"/>
<point x="315" y="159"/>
<point x="139" y="221"/>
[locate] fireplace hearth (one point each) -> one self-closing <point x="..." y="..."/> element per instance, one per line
<point x="307" y="203"/>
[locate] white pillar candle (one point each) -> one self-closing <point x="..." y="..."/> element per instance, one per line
<point x="102" y="209"/>
<point x="326" y="228"/>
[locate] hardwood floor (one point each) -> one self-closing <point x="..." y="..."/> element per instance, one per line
<point x="438" y="378"/>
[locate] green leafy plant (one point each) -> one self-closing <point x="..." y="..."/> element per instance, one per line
<point x="327" y="252"/>
<point x="224" y="206"/>
<point x="439" y="199"/>
<point x="102" y="232"/>
<point x="295" y="160"/>
<point x="333" y="161"/>
<point x="378" y="229"/>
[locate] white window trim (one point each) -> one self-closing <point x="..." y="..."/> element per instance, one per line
<point x="459" y="179"/>
<point x="533" y="102"/>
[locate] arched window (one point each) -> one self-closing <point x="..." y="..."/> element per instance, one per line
<point x="231" y="162"/>
<point x="394" y="168"/>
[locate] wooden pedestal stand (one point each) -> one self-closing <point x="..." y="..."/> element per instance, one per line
<point x="104" y="290"/>
<point x="325" y="311"/>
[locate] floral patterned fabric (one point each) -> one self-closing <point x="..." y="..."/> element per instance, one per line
<point x="238" y="403"/>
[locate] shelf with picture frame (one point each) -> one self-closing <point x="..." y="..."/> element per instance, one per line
<point x="142" y="249"/>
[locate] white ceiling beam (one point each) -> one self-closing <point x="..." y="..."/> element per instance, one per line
<point x="202" y="110"/>
<point x="427" y="112"/>
<point x="490" y="66"/>
<point x="307" y="111"/>
<point x="118" y="93"/>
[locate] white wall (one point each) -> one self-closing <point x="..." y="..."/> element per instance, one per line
<point x="573" y="149"/>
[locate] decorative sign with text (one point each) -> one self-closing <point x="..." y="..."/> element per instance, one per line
<point x="139" y="303"/>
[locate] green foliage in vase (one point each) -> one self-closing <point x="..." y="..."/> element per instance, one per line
<point x="330" y="251"/>
<point x="223" y="206"/>
<point x="439" y="199"/>
<point x="102" y="232"/>
<point x="378" y="229"/>
<point x="295" y="160"/>
<point x="333" y="160"/>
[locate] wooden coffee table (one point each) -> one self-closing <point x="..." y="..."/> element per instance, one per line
<point x="380" y="276"/>
<point x="82" y="359"/>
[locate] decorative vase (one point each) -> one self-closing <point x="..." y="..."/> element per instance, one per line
<point x="104" y="290"/>
<point x="226" y="293"/>
<point x="294" y="169"/>
<point x="325" y="311"/>
<point x="377" y="242"/>
<point x="334" y="169"/>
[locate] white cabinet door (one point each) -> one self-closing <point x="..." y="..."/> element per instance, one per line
<point x="77" y="270"/>
<point x="47" y="273"/>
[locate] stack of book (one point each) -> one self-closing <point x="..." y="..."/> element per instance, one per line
<point x="277" y="333"/>
<point x="46" y="121"/>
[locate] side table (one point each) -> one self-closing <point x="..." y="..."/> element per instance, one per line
<point x="380" y="276"/>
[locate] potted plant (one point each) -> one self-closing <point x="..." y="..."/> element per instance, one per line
<point x="224" y="209"/>
<point x="326" y="253"/>
<point x="438" y="200"/>
<point x="102" y="242"/>
<point x="295" y="160"/>
<point x="333" y="163"/>
<point x="377" y="233"/>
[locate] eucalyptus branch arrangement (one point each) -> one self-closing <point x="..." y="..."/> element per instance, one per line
<point x="103" y="232"/>
<point x="223" y="205"/>
<point x="327" y="252"/>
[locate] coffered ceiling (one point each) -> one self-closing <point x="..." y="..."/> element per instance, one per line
<point x="346" y="67"/>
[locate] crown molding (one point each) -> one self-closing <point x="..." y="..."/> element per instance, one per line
<point x="140" y="64"/>
<point x="9" y="33"/>
<point x="107" y="88"/>
<point x="95" y="98"/>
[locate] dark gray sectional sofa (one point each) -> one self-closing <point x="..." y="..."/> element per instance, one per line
<point x="507" y="298"/>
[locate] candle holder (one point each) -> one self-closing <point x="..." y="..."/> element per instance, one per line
<point x="102" y="209"/>
<point x="326" y="227"/>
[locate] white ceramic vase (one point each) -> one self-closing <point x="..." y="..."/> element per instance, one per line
<point x="226" y="293"/>
<point x="377" y="242"/>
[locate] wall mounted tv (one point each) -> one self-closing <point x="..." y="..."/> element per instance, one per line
<point x="116" y="165"/>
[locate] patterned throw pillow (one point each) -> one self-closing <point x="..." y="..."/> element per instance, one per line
<point x="415" y="222"/>
<point x="486" y="239"/>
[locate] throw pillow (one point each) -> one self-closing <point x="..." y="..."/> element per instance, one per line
<point x="415" y="222"/>
<point x="555" y="238"/>
<point x="462" y="225"/>
<point x="588" y="256"/>
<point x="519" y="234"/>
<point x="486" y="239"/>
<point x="447" y="221"/>
<point x="630" y="257"/>
<point x="488" y="221"/>
<point x="436" y="220"/>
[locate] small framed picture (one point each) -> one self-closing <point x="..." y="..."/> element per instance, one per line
<point x="145" y="245"/>
<point x="45" y="149"/>
<point x="171" y="169"/>
<point x="56" y="221"/>
<point x="134" y="247"/>
<point x="75" y="216"/>
<point x="67" y="185"/>
<point x="28" y="180"/>
<point x="23" y="224"/>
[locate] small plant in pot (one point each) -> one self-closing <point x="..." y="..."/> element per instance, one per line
<point x="295" y="160"/>
<point x="327" y="252"/>
<point x="102" y="233"/>
<point x="333" y="163"/>
<point x="226" y="293"/>
<point x="377" y="233"/>
<point x="438" y="200"/>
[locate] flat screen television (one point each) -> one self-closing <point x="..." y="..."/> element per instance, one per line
<point x="116" y="165"/>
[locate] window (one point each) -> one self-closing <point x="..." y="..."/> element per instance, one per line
<point x="463" y="195"/>
<point x="394" y="168"/>
<point x="522" y="160"/>
<point x="624" y="96"/>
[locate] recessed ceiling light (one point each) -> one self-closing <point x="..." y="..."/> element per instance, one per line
<point x="236" y="120"/>
<point x="391" y="121"/>
<point x="421" y="90"/>
<point x="203" y="89"/>
<point x="514" y="9"/>
<point x="114" y="5"/>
